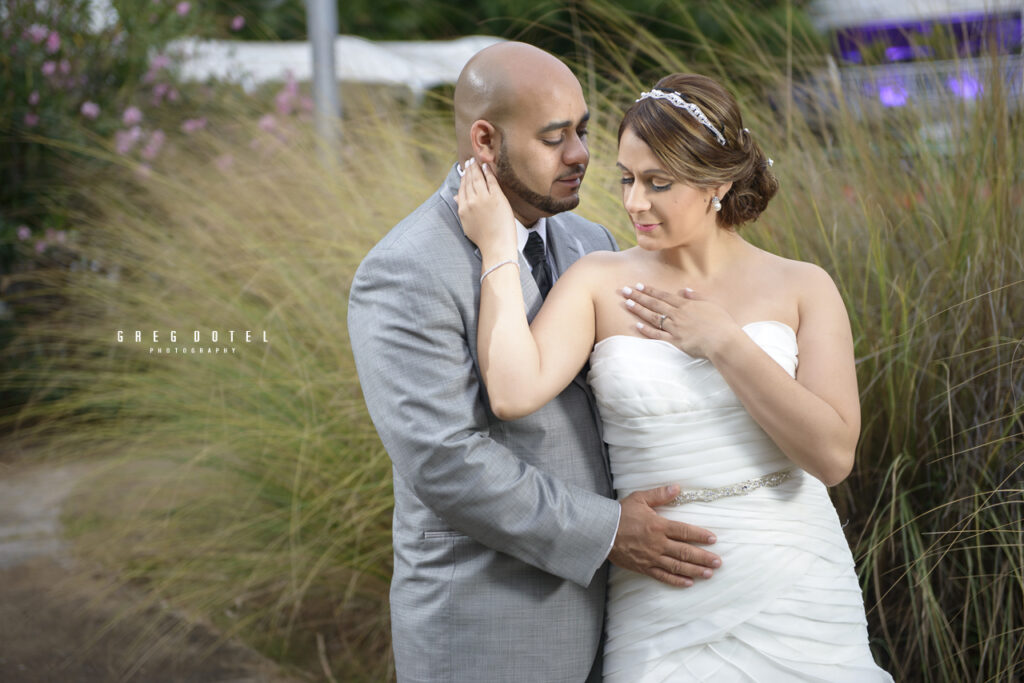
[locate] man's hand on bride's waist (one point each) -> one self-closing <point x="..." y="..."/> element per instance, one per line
<point x="650" y="544"/>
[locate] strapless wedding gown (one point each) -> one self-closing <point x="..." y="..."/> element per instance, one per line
<point x="785" y="605"/>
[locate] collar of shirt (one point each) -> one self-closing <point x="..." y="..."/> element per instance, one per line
<point x="541" y="226"/>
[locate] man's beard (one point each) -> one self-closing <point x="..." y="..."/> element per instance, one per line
<point x="511" y="184"/>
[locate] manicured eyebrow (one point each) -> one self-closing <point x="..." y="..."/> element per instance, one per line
<point x="558" y="125"/>
<point x="650" y="171"/>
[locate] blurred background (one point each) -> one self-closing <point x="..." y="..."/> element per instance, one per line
<point x="216" y="506"/>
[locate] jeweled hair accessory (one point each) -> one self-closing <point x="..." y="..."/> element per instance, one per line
<point x="770" y="162"/>
<point x="677" y="100"/>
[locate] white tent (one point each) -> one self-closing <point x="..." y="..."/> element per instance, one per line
<point x="832" y="14"/>
<point x="418" y="65"/>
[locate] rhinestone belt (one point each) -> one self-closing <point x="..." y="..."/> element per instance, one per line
<point x="738" y="489"/>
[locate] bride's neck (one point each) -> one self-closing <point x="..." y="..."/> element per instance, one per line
<point x="703" y="260"/>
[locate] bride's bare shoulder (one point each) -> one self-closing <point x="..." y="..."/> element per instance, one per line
<point x="807" y="285"/>
<point x="598" y="264"/>
<point x="798" y="274"/>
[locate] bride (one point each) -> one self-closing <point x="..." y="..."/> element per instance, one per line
<point x="721" y="368"/>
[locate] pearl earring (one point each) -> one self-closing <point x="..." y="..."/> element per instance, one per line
<point x="716" y="203"/>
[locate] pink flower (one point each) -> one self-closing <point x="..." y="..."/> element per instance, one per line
<point x="33" y="98"/>
<point x="283" y="102"/>
<point x="125" y="140"/>
<point x="37" y="33"/>
<point x="268" y="122"/>
<point x="160" y="62"/>
<point x="49" y="67"/>
<point x="131" y="116"/>
<point x="288" y="95"/>
<point x="40" y="247"/>
<point x="31" y="119"/>
<point x="238" y="23"/>
<point x="192" y="125"/>
<point x="52" y="42"/>
<point x="291" y="86"/>
<point x="90" y="110"/>
<point x="224" y="162"/>
<point x="152" y="148"/>
<point x="183" y="8"/>
<point x="172" y="95"/>
<point x="24" y="232"/>
<point x="65" y="67"/>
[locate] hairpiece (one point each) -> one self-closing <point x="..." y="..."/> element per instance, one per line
<point x="770" y="162"/>
<point x="679" y="101"/>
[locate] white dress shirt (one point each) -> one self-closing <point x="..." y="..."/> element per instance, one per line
<point x="523" y="233"/>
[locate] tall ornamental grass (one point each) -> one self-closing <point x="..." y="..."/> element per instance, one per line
<point x="249" y="488"/>
<point x="244" y="484"/>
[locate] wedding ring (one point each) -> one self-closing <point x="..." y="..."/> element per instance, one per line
<point x="661" y="321"/>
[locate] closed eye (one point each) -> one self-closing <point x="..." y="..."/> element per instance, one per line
<point x="581" y="134"/>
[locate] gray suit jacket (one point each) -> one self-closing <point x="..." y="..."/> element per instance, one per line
<point x="500" y="529"/>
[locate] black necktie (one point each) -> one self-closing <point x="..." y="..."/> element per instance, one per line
<point x="534" y="253"/>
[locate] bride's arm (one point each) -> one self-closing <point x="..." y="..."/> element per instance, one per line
<point x="523" y="366"/>
<point x="814" y="419"/>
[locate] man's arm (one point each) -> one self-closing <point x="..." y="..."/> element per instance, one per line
<point x="423" y="393"/>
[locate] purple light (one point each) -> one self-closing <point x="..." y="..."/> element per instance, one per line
<point x="967" y="86"/>
<point x="899" y="53"/>
<point x="903" y="53"/>
<point x="892" y="94"/>
<point x="968" y="35"/>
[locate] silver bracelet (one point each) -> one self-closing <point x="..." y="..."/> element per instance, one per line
<point x="493" y="268"/>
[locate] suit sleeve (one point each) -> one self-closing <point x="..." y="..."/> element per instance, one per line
<point x="614" y="245"/>
<point x="423" y="393"/>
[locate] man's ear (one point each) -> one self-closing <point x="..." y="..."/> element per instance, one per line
<point x="486" y="140"/>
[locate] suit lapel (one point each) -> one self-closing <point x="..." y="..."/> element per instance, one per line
<point x="565" y="248"/>
<point x="531" y="293"/>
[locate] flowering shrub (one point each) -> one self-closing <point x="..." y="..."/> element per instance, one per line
<point x="67" y="78"/>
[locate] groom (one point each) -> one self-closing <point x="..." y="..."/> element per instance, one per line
<point x="501" y="529"/>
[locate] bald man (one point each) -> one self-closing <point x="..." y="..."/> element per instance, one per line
<point x="501" y="529"/>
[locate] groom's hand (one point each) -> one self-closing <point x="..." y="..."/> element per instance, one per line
<point x="649" y="544"/>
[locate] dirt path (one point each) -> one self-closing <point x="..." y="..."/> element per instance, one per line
<point x="57" y="618"/>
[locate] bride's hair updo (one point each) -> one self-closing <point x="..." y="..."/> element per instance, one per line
<point x="691" y="151"/>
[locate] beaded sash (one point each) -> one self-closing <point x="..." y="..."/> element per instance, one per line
<point x="738" y="489"/>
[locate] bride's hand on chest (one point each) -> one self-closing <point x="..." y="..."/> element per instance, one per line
<point x="687" y="320"/>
